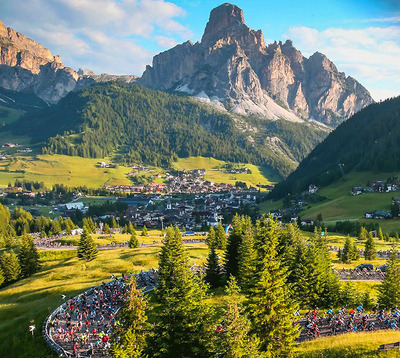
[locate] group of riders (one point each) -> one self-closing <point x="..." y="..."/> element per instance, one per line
<point x="315" y="323"/>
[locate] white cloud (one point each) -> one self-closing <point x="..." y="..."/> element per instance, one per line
<point x="102" y="35"/>
<point x="371" y="55"/>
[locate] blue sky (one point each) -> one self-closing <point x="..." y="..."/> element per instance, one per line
<point x="121" y="36"/>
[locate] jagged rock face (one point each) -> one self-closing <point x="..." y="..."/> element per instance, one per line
<point x="232" y="68"/>
<point x="28" y="66"/>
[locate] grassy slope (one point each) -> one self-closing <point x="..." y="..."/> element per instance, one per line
<point x="77" y="171"/>
<point x="341" y="205"/>
<point x="354" y="345"/>
<point x="31" y="300"/>
<point x="214" y="173"/>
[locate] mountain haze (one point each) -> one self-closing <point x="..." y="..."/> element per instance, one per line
<point x="233" y="69"/>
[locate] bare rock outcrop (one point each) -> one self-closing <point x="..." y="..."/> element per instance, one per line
<point x="233" y="69"/>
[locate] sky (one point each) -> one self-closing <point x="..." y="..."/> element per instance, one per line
<point x="361" y="37"/>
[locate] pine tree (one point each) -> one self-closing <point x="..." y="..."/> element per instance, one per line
<point x="234" y="339"/>
<point x="144" y="231"/>
<point x="380" y="234"/>
<point x="370" y="249"/>
<point x="389" y="289"/>
<point x="363" y="235"/>
<point x="247" y="260"/>
<point x="87" y="248"/>
<point x="324" y="283"/>
<point x="113" y="223"/>
<point x="2" y="278"/>
<point x="211" y="241"/>
<point x="10" y="266"/>
<point x="130" y="229"/>
<point x="354" y="253"/>
<point x="268" y="303"/>
<point x="299" y="274"/>
<point x="132" y="325"/>
<point x="232" y="248"/>
<point x="346" y="252"/>
<point x="220" y="237"/>
<point x="133" y="241"/>
<point x="106" y="229"/>
<point x="185" y="322"/>
<point x="28" y="257"/>
<point x="213" y="272"/>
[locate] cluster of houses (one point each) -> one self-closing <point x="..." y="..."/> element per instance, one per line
<point x="378" y="186"/>
<point x="194" y="212"/>
<point x="187" y="182"/>
<point x="243" y="170"/>
<point x="24" y="150"/>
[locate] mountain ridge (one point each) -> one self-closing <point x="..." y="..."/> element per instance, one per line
<point x="232" y="68"/>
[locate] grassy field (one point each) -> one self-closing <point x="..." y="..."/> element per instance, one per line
<point x="340" y="205"/>
<point x="215" y="173"/>
<point x="351" y="345"/>
<point x="77" y="171"/>
<point x="62" y="169"/>
<point x="30" y="300"/>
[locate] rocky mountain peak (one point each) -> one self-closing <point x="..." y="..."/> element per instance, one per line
<point x="222" y="19"/>
<point x="232" y="69"/>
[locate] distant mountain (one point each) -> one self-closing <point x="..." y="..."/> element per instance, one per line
<point x="368" y="141"/>
<point x="232" y="68"/>
<point x="28" y="67"/>
<point x="135" y="124"/>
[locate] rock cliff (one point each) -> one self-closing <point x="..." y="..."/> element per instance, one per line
<point x="28" y="66"/>
<point x="232" y="68"/>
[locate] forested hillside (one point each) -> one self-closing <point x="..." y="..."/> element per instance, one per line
<point x="135" y="124"/>
<point x="368" y="141"/>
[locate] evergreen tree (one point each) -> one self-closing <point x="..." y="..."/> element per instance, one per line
<point x="300" y="275"/>
<point x="132" y="326"/>
<point x="234" y="339"/>
<point x="28" y="257"/>
<point x="370" y="249"/>
<point x="89" y="224"/>
<point x="324" y="283"/>
<point x="87" y="248"/>
<point x="2" y="278"/>
<point x="113" y="224"/>
<point x="268" y="303"/>
<point x="346" y="252"/>
<point x="130" y="229"/>
<point x="106" y="229"/>
<point x="363" y="235"/>
<point x="133" y="241"/>
<point x="185" y="322"/>
<point x="247" y="260"/>
<point x="220" y="237"/>
<point x="213" y="272"/>
<point x="144" y="231"/>
<point x="232" y="248"/>
<point x="389" y="289"/>
<point x="10" y="266"/>
<point x="380" y="234"/>
<point x="211" y="241"/>
<point x="354" y="253"/>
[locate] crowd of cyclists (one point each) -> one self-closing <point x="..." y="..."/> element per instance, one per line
<point x="315" y="323"/>
<point x="83" y="324"/>
<point x="361" y="274"/>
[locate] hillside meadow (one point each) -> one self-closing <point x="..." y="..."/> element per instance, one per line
<point x="78" y="171"/>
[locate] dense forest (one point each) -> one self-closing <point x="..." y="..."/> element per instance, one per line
<point x="368" y="141"/>
<point x="135" y="124"/>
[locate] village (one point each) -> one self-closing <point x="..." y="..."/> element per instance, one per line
<point x="186" y="200"/>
